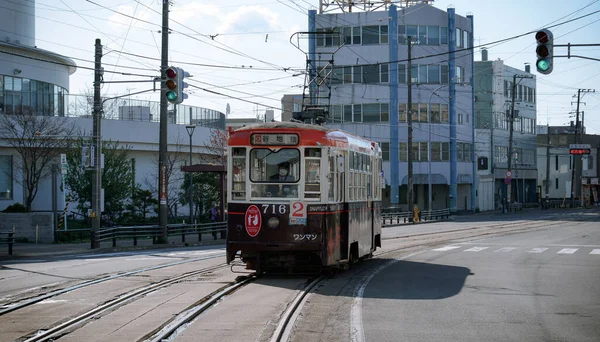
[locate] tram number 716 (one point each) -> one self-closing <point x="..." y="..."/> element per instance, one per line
<point x="280" y="209"/>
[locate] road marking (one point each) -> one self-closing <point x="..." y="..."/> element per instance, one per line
<point x="446" y="248"/>
<point x="595" y="251"/>
<point x="506" y="249"/>
<point x="537" y="250"/>
<point x="357" y="333"/>
<point x="567" y="251"/>
<point x="475" y="249"/>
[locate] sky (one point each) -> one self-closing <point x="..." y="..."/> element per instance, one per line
<point x="242" y="49"/>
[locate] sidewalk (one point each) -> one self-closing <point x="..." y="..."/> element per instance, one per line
<point x="24" y="250"/>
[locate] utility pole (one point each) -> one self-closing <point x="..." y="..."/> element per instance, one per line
<point x="547" y="187"/>
<point x="97" y="144"/>
<point x="574" y="167"/>
<point x="163" y="209"/>
<point x="577" y="174"/>
<point x="409" y="193"/>
<point x="510" y="137"/>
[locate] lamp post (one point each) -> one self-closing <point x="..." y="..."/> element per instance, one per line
<point x="430" y="195"/>
<point x="190" y="130"/>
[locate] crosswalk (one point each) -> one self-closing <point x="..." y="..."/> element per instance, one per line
<point x="533" y="250"/>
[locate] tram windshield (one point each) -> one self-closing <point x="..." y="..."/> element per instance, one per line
<point x="279" y="166"/>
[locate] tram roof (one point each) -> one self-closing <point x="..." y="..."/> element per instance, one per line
<point x="310" y="135"/>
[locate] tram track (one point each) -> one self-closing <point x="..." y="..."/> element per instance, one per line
<point x="115" y="303"/>
<point x="25" y="302"/>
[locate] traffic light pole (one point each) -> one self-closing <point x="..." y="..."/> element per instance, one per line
<point x="568" y="55"/>
<point x="163" y="209"/>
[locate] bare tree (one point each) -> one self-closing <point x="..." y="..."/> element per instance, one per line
<point x="216" y="148"/>
<point x="38" y="140"/>
<point x="175" y="159"/>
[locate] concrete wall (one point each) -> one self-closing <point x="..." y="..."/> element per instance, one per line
<point x="25" y="226"/>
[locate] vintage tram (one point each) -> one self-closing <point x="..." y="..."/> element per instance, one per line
<point x="301" y="197"/>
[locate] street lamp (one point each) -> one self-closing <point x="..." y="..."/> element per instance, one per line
<point x="190" y="130"/>
<point x="430" y="195"/>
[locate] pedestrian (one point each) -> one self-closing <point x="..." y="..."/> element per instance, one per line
<point x="214" y="217"/>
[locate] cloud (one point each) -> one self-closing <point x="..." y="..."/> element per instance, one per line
<point x="251" y="18"/>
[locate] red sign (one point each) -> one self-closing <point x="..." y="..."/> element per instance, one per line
<point x="579" y="151"/>
<point x="507" y="180"/>
<point x="252" y="220"/>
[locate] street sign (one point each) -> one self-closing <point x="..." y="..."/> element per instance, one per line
<point x="507" y="180"/>
<point x="508" y="173"/>
<point x="63" y="159"/>
<point x="579" y="146"/>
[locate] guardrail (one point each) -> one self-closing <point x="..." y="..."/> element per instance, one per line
<point x="8" y="238"/>
<point x="400" y="217"/>
<point x="154" y="231"/>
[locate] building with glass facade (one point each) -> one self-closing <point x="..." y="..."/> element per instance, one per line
<point x="36" y="82"/>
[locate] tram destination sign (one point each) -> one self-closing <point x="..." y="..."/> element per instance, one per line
<point x="274" y="139"/>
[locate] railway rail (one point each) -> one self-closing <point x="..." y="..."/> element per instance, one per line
<point x="10" y="307"/>
<point x="121" y="300"/>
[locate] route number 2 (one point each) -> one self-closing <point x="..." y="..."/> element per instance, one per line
<point x="298" y="210"/>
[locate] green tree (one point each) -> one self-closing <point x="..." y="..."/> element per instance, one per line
<point x="142" y="204"/>
<point x="205" y="192"/>
<point x="117" y="178"/>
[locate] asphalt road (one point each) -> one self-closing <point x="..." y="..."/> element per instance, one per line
<point x="541" y="285"/>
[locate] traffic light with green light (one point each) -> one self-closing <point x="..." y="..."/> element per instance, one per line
<point x="545" y="42"/>
<point x="174" y="84"/>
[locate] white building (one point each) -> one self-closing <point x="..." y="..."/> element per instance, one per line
<point x="369" y="92"/>
<point x="37" y="81"/>
<point x="493" y="104"/>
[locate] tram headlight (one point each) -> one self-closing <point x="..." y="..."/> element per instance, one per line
<point x="273" y="223"/>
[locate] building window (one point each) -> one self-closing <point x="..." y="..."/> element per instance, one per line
<point x="370" y="35"/>
<point x="371" y="112"/>
<point x="384" y="73"/>
<point x="347" y="74"/>
<point x="6" y="177"/>
<point x="401" y="73"/>
<point x="402" y="112"/>
<point x="436" y="151"/>
<point x="444" y="111"/>
<point x="385" y="150"/>
<point x="433" y="73"/>
<point x="357" y="113"/>
<point x="434" y="112"/>
<point x="433" y="35"/>
<point x="403" y="151"/>
<point x="444" y="73"/>
<point x="445" y="151"/>
<point x="444" y="35"/>
<point x="383" y="34"/>
<point x="370" y="74"/>
<point x="385" y="112"/>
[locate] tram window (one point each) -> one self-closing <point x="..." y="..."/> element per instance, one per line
<point x="313" y="168"/>
<point x="331" y="179"/>
<point x="312" y="152"/>
<point x="274" y="190"/>
<point x="239" y="173"/>
<point x="275" y="166"/>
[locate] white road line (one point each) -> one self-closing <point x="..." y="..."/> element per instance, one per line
<point x="595" y="251"/>
<point x="475" y="249"/>
<point x="506" y="249"/>
<point x="538" y="250"/>
<point x="357" y="333"/>
<point x="568" y="250"/>
<point x="447" y="248"/>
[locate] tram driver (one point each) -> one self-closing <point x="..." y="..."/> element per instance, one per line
<point x="283" y="175"/>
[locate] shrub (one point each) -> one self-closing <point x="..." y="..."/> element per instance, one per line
<point x="16" y="208"/>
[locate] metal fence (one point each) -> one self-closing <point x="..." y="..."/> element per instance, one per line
<point x="8" y="238"/>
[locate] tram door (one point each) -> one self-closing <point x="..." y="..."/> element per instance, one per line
<point x="344" y="221"/>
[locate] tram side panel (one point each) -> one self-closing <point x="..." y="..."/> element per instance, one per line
<point x="359" y="227"/>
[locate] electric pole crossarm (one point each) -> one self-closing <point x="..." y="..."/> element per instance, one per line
<point x="126" y="95"/>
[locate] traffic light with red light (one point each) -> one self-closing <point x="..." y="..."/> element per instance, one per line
<point x="174" y="84"/>
<point x="545" y="42"/>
